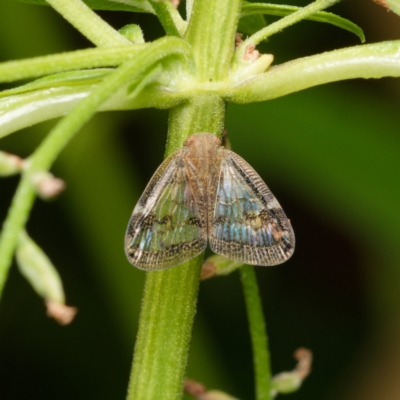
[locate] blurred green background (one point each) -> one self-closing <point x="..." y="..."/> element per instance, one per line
<point x="330" y="155"/>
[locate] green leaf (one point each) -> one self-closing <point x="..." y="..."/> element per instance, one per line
<point x="10" y="164"/>
<point x="113" y="5"/>
<point x="364" y="61"/>
<point x="250" y="24"/>
<point x="72" y="78"/>
<point x="26" y="109"/>
<point x="133" y="33"/>
<point x="37" y="268"/>
<point x="321" y="16"/>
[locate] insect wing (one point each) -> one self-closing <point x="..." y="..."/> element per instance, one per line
<point x="165" y="228"/>
<point x="247" y="224"/>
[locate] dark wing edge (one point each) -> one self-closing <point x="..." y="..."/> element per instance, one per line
<point x="248" y="224"/>
<point x="165" y="228"/>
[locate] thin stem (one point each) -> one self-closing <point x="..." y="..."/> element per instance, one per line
<point x="47" y="152"/>
<point x="86" y="21"/>
<point x="91" y="58"/>
<point x="282" y="24"/>
<point x="258" y="333"/>
<point x="189" y="7"/>
<point x="320" y="16"/>
<point x="169" y="17"/>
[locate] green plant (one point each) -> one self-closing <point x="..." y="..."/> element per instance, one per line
<point x="193" y="72"/>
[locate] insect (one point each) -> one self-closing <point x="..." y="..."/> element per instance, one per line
<point x="205" y="192"/>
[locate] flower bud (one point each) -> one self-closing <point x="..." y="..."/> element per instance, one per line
<point x="218" y="265"/>
<point x="133" y="33"/>
<point x="36" y="267"/>
<point x="10" y="164"/>
<point x="199" y="391"/>
<point x="288" y="382"/>
<point x="46" y="185"/>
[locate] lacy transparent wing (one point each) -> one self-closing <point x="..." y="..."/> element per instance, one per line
<point x="246" y="223"/>
<point x="165" y="228"/>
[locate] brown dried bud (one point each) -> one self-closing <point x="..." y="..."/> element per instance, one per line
<point x="251" y="53"/>
<point x="194" y="388"/>
<point x="46" y="185"/>
<point x="383" y="3"/>
<point x="218" y="265"/>
<point x="304" y="358"/>
<point x="199" y="391"/>
<point x="288" y="382"/>
<point x="60" y="312"/>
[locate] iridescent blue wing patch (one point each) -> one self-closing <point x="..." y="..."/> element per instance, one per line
<point x="246" y="222"/>
<point x="165" y="228"/>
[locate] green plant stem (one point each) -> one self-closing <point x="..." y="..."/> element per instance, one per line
<point x="258" y="333"/>
<point x="86" y="21"/>
<point x="170" y="296"/>
<point x="166" y="318"/>
<point x="188" y="118"/>
<point x="367" y="61"/>
<point x="210" y="33"/>
<point x="169" y="17"/>
<point x="320" y="16"/>
<point x="91" y="58"/>
<point x="281" y="24"/>
<point x="47" y="152"/>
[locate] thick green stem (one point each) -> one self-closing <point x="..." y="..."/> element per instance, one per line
<point x="258" y="333"/>
<point x="170" y="296"/>
<point x="166" y="319"/>
<point x="189" y="118"/>
<point x="211" y="32"/>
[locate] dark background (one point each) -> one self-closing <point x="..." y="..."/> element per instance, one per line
<point x="330" y="155"/>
